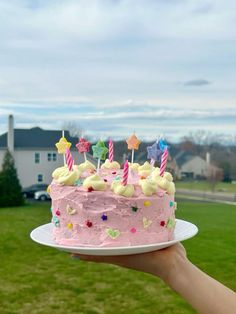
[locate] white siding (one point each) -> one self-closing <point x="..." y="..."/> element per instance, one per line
<point x="28" y="170"/>
<point x="197" y="165"/>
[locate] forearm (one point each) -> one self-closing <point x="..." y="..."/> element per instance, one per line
<point x="205" y="294"/>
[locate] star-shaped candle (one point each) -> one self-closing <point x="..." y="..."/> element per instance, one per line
<point x="83" y="147"/>
<point x="99" y="151"/>
<point x="62" y="145"/>
<point x="133" y="144"/>
<point x="154" y="152"/>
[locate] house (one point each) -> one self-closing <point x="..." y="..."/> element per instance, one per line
<point x="35" y="153"/>
<point x="190" y="166"/>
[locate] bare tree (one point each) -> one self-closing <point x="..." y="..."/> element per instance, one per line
<point x="74" y="128"/>
<point x="214" y="176"/>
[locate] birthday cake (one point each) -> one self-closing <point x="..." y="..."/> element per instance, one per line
<point x="112" y="207"/>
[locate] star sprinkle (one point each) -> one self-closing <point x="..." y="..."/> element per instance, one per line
<point x="83" y="146"/>
<point x="133" y="142"/>
<point x="154" y="152"/>
<point x="163" y="145"/>
<point x="100" y="150"/>
<point x="62" y="145"/>
<point x="104" y="217"/>
<point x="112" y="233"/>
<point x="134" y="208"/>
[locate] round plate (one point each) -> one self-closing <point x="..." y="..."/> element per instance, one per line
<point x="183" y="231"/>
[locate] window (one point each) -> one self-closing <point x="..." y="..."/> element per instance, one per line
<point x="52" y="156"/>
<point x="40" y="178"/>
<point x="49" y="156"/>
<point x="37" y="158"/>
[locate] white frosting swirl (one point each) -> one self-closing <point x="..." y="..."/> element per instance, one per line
<point x="95" y="182"/>
<point x="110" y="165"/>
<point x="66" y="177"/>
<point x="120" y="189"/>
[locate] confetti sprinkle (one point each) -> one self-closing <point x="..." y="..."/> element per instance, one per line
<point x="105" y="180"/>
<point x="134" y="208"/>
<point x="56" y="221"/>
<point x="78" y="182"/>
<point x="70" y="225"/>
<point x="104" y="217"/>
<point x="89" y="223"/>
<point x="114" y="172"/>
<point x="90" y="189"/>
<point x="133" y="230"/>
<point x="175" y="205"/>
<point x="112" y="233"/>
<point x="146" y="222"/>
<point x="170" y="223"/>
<point x="162" y="223"/>
<point x="171" y="203"/>
<point x="58" y="213"/>
<point x="147" y="203"/>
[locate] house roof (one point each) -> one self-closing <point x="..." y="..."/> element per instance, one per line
<point x="182" y="157"/>
<point x="36" y="138"/>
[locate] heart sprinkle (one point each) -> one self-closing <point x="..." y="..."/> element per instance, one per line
<point x="112" y="233"/>
<point x="146" y="222"/>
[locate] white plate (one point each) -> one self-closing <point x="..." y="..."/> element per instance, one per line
<point x="183" y="231"/>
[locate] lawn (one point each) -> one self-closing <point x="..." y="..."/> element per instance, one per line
<point x="205" y="186"/>
<point x="37" y="279"/>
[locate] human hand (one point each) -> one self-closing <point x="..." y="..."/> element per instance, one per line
<point x="164" y="263"/>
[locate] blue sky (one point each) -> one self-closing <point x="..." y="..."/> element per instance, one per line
<point x="153" y="66"/>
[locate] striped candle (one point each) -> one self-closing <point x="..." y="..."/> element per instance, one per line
<point x="111" y="151"/>
<point x="69" y="159"/>
<point x="125" y="173"/>
<point x="164" y="158"/>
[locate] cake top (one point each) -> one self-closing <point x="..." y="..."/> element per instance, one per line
<point x="134" y="179"/>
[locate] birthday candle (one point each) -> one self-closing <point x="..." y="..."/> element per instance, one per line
<point x="69" y="159"/>
<point x="164" y="158"/>
<point x="111" y="151"/>
<point x="125" y="173"/>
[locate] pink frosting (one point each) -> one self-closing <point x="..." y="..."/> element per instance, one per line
<point x="148" y="224"/>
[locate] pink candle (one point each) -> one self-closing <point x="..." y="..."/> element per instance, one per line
<point x="164" y="158"/>
<point x="125" y="173"/>
<point x="69" y="159"/>
<point x="111" y="151"/>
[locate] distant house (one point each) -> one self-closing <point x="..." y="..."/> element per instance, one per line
<point x="35" y="153"/>
<point x="194" y="167"/>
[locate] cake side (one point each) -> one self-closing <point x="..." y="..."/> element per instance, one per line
<point x="84" y="217"/>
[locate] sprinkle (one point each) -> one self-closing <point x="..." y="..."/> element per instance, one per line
<point x="142" y="178"/>
<point x="134" y="208"/>
<point x="133" y="230"/>
<point x="171" y="203"/>
<point x="175" y="205"/>
<point x="49" y="189"/>
<point x="162" y="223"/>
<point x="104" y="217"/>
<point x="56" y="221"/>
<point x="117" y="178"/>
<point x="70" y="225"/>
<point x="114" y="172"/>
<point x="89" y="223"/>
<point x="78" y="182"/>
<point x="112" y="233"/>
<point x="105" y="180"/>
<point x="90" y="189"/>
<point x="58" y="213"/>
<point x="170" y="223"/>
<point x="146" y="222"/>
<point x="147" y="203"/>
<point x="70" y="210"/>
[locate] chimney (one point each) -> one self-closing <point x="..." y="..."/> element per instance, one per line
<point x="10" y="134"/>
<point x="208" y="158"/>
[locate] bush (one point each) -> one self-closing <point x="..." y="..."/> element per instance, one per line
<point x="10" y="188"/>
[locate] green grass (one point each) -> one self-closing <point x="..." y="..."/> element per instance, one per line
<point x="37" y="279"/>
<point x="205" y="186"/>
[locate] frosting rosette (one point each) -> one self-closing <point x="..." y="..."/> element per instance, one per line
<point x="85" y="166"/>
<point x="95" y="182"/>
<point x="64" y="176"/>
<point x="148" y="186"/>
<point x="110" y="165"/>
<point x="166" y="184"/>
<point x="124" y="190"/>
<point x="145" y="169"/>
<point x="134" y="166"/>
